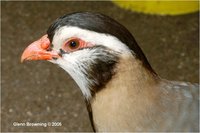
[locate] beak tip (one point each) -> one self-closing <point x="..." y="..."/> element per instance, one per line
<point x="23" y="57"/>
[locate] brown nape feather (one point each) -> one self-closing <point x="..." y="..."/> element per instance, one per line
<point x="136" y="100"/>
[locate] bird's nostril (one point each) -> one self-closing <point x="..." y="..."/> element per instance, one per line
<point x="49" y="49"/>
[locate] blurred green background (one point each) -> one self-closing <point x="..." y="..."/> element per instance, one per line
<point x="42" y="92"/>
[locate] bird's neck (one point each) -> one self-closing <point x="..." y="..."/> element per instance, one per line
<point x="130" y="74"/>
<point x="129" y="82"/>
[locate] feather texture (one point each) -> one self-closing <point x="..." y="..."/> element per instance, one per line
<point x="140" y="101"/>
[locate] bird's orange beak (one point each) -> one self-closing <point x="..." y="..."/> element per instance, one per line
<point x="38" y="50"/>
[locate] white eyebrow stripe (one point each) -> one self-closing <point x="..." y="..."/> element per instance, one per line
<point x="66" y="32"/>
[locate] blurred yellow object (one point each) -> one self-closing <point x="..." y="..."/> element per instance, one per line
<point x="160" y="7"/>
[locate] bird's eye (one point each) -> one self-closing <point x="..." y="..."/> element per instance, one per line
<point x="71" y="45"/>
<point x="74" y="44"/>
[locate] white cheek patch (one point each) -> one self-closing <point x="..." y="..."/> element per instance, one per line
<point x="66" y="32"/>
<point x="72" y="63"/>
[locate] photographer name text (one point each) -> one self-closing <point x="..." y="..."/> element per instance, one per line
<point x="37" y="124"/>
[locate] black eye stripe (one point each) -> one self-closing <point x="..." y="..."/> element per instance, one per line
<point x="62" y="52"/>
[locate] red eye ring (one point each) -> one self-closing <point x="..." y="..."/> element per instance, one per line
<point x="74" y="44"/>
